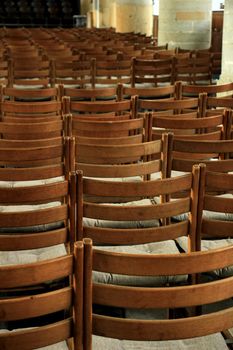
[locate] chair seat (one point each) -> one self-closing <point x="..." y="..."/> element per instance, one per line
<point x="31" y="255"/>
<point x="164" y="247"/>
<point x="210" y="215"/>
<point x="11" y="184"/>
<point x="27" y="208"/>
<point x="124" y="224"/>
<point x="213" y="342"/>
<point x="59" y="346"/>
<point x="208" y="245"/>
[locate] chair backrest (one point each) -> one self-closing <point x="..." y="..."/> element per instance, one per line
<point x="168" y="297"/>
<point x="112" y="72"/>
<point x="79" y="73"/>
<point x="100" y="108"/>
<point x="37" y="215"/>
<point x="210" y="89"/>
<point x="31" y="110"/>
<point x="188" y="126"/>
<point x="59" y="310"/>
<point x="157" y="92"/>
<point x="122" y="160"/>
<point x="154" y="72"/>
<point x="33" y="71"/>
<point x="193" y="70"/>
<point x="90" y="94"/>
<point x="26" y="160"/>
<point x="32" y="131"/>
<point x="127" y="212"/>
<point x="215" y="154"/>
<point x="216" y="205"/>
<point x="214" y="105"/>
<point x="29" y="95"/>
<point x="172" y="105"/>
<point x="118" y="131"/>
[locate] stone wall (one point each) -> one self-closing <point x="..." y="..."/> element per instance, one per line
<point x="185" y="23"/>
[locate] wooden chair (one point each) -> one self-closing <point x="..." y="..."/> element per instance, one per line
<point x="42" y="161"/>
<point x="214" y="105"/>
<point x="215" y="213"/>
<point x="126" y="161"/>
<point x="100" y="109"/>
<point x="37" y="205"/>
<point x="144" y="328"/>
<point x="159" y="92"/>
<point x="34" y="110"/>
<point x="90" y="94"/>
<point x="125" y="213"/>
<point x="110" y="73"/>
<point x="215" y="154"/>
<point x="32" y="72"/>
<point x="79" y="73"/>
<point x="188" y="126"/>
<point x="89" y="131"/>
<point x="29" y="95"/>
<point x="192" y="106"/>
<point x="36" y="221"/>
<point x="42" y="130"/>
<point x="210" y="89"/>
<point x="193" y="70"/>
<point x="58" y="311"/>
<point x="152" y="72"/>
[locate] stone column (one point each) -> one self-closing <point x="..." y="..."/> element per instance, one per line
<point x="107" y="13"/>
<point x="227" y="44"/>
<point x="85" y="6"/>
<point x="134" y="16"/>
<point x="185" y="23"/>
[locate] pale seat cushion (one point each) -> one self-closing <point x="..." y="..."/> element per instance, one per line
<point x="164" y="247"/>
<point x="146" y="314"/>
<point x="26" y="208"/>
<point x="208" y="245"/>
<point x="11" y="184"/>
<point x="124" y="224"/>
<point x="174" y="173"/>
<point x="117" y="179"/>
<point x="31" y="255"/>
<point x="213" y="215"/>
<point x="210" y="342"/>
<point x="58" y="346"/>
<point x="6" y="184"/>
<point x="29" y="87"/>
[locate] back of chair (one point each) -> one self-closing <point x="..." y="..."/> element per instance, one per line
<point x="142" y="299"/>
<point x="193" y="70"/>
<point x="44" y="318"/>
<point x="32" y="160"/>
<point x="172" y="105"/>
<point x="131" y="212"/>
<point x="210" y="89"/>
<point x="100" y="108"/>
<point x="122" y="160"/>
<point x="31" y="110"/>
<point x="157" y="92"/>
<point x="109" y="132"/>
<point x="90" y="94"/>
<point x="153" y="72"/>
<point x="216" y="205"/>
<point x="37" y="215"/>
<point x="214" y="154"/>
<point x="28" y="95"/>
<point x="32" y="131"/>
<point x="189" y="127"/>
